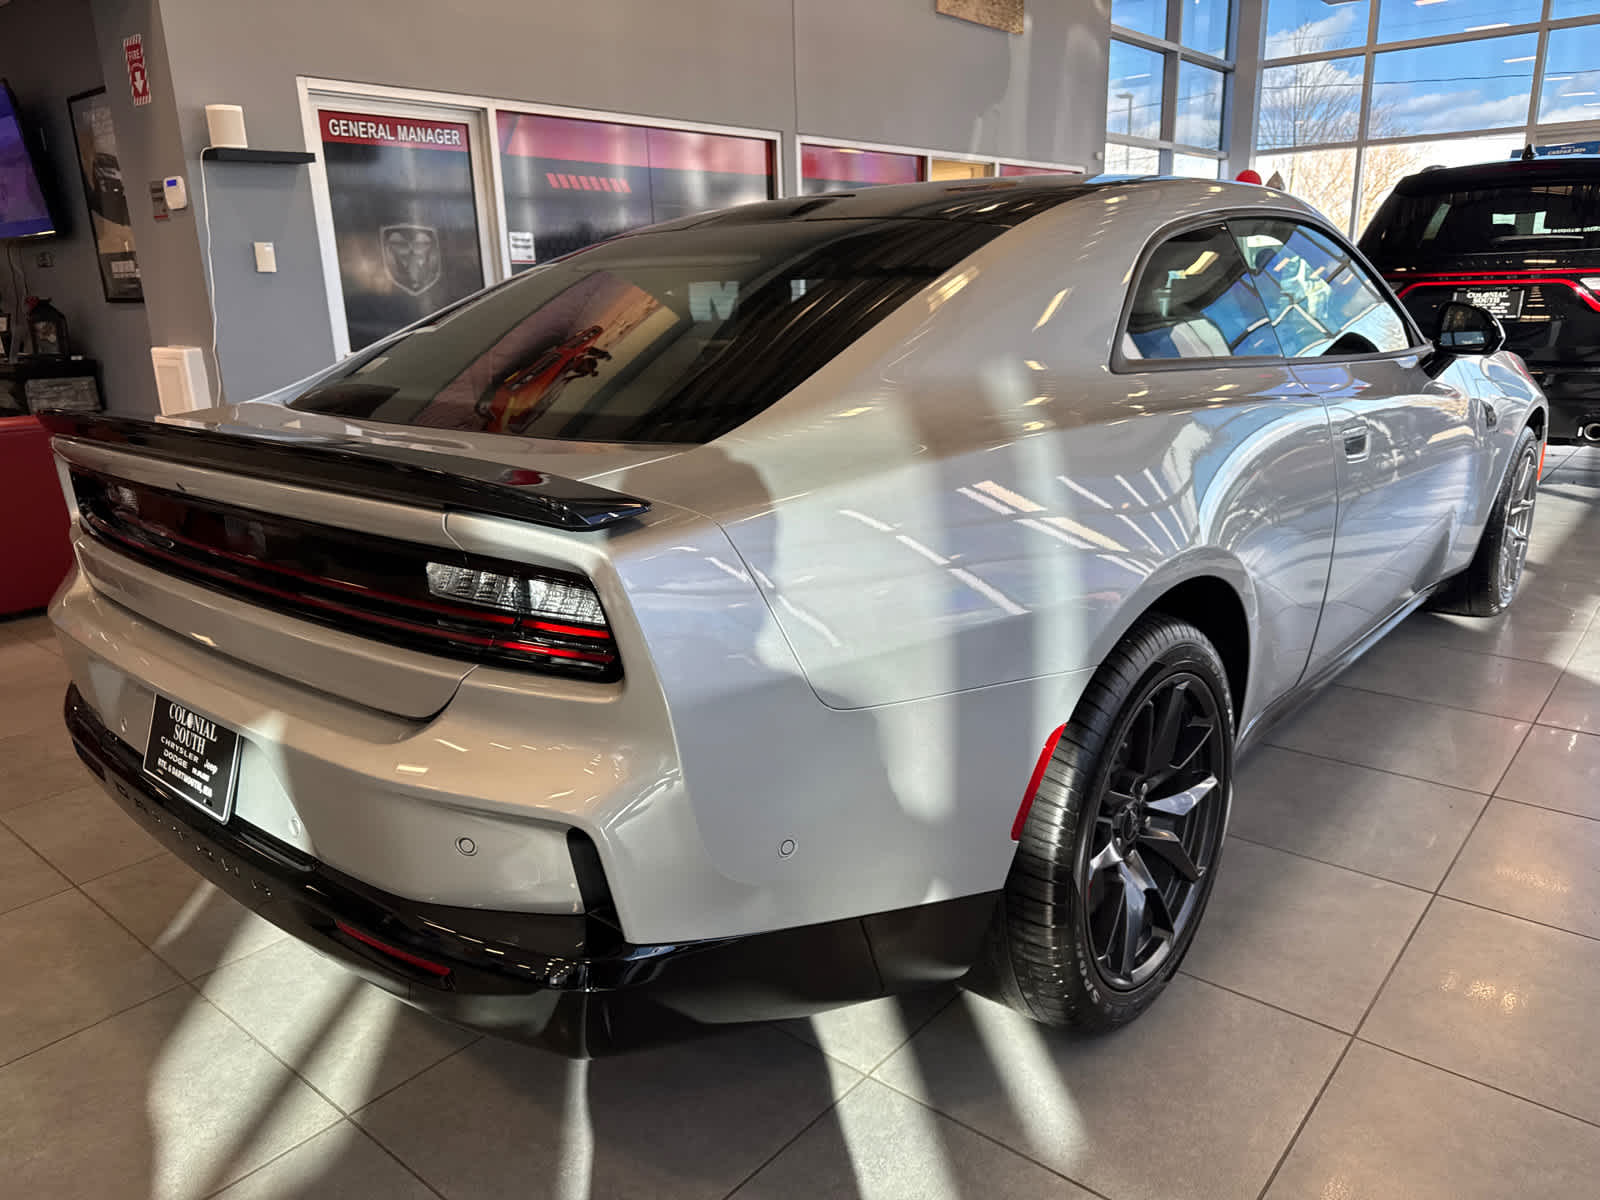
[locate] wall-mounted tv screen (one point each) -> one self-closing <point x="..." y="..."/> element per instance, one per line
<point x="23" y="211"/>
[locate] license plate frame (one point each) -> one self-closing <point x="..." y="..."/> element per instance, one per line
<point x="1504" y="302"/>
<point x="193" y="757"/>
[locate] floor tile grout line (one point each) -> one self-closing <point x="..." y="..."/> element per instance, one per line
<point x="1493" y="1087"/>
<point x="1326" y="862"/>
<point x="1500" y="912"/>
<point x="138" y="862"/>
<point x="199" y="991"/>
<point x="1481" y="712"/>
<point x="782" y="1026"/>
<point x="831" y="1106"/>
<point x="1343" y="1054"/>
<point x="166" y="991"/>
<point x="1565" y="812"/>
<point x="363" y="1131"/>
<point x="1565" y="667"/>
<point x="373" y="1099"/>
<point x="988" y="1137"/>
<point x="1384" y="770"/>
<point x="1305" y="1119"/>
<point x="1288" y="1012"/>
<point x="67" y="887"/>
<point x="295" y="1071"/>
<point x="343" y="1120"/>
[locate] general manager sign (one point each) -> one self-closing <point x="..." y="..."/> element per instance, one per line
<point x="365" y="130"/>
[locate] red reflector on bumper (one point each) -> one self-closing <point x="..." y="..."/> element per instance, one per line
<point x="438" y="970"/>
<point x="1033" y="784"/>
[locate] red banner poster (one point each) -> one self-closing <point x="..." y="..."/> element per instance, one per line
<point x="138" y="77"/>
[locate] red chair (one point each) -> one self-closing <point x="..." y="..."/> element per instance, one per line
<point x="34" y="550"/>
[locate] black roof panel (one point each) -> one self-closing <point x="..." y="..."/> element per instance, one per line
<point x="1573" y="169"/>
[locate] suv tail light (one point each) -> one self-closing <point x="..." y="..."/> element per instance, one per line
<point x="423" y="597"/>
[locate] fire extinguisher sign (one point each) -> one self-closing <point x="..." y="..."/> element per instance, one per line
<point x="138" y="77"/>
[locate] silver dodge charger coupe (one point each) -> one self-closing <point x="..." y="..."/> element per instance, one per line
<point x="789" y="605"/>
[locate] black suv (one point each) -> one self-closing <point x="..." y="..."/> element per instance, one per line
<point x="1521" y="239"/>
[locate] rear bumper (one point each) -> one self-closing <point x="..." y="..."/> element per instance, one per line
<point x="568" y="983"/>
<point x="1574" y="395"/>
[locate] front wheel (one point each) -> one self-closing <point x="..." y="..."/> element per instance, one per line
<point x="1117" y="857"/>
<point x="1490" y="582"/>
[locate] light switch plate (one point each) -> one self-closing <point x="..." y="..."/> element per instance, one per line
<point x="266" y="257"/>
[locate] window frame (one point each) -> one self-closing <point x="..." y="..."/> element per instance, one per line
<point x="1530" y="130"/>
<point x="1121" y="364"/>
<point x="1365" y="270"/>
<point x="1173" y="53"/>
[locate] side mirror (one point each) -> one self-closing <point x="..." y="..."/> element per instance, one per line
<point x="1468" y="329"/>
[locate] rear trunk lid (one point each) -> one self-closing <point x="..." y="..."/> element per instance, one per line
<point x="327" y="558"/>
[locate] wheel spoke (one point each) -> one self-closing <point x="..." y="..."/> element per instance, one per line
<point x="1201" y="726"/>
<point x="1124" y="948"/>
<point x="1179" y="804"/>
<point x="1105" y="860"/>
<point x="1167" y="846"/>
<point x="1169" y="718"/>
<point x="1155" y="902"/>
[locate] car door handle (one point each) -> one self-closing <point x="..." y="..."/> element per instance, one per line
<point x="1491" y="417"/>
<point x="1354" y="436"/>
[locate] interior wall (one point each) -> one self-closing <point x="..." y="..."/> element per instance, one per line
<point x="890" y="70"/>
<point x="150" y="147"/>
<point x="895" y="71"/>
<point x="48" y="53"/>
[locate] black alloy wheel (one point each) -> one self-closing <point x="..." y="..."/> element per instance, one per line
<point x="1118" y="854"/>
<point x="1490" y="582"/>
<point x="1518" y="522"/>
<point x="1156" y="831"/>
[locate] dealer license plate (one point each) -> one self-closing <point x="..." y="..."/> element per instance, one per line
<point x="193" y="756"/>
<point x="1503" y="302"/>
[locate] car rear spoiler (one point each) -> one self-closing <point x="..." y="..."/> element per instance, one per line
<point x="373" y="468"/>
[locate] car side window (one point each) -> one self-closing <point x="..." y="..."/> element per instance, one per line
<point x="1194" y="300"/>
<point x="1319" y="299"/>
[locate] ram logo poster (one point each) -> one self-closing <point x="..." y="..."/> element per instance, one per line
<point x="405" y="219"/>
<point x="411" y="252"/>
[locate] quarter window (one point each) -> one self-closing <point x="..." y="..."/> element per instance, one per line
<point x="1319" y="300"/>
<point x="1194" y="301"/>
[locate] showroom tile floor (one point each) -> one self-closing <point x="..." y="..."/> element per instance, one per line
<point x="1393" y="994"/>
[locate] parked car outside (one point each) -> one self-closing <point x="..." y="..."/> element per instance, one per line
<point x="1522" y="240"/>
<point x="885" y="602"/>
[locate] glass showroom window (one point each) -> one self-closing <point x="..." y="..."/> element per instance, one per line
<point x="1571" y="90"/>
<point x="1133" y="92"/>
<point x="825" y="168"/>
<point x="1167" y="87"/>
<point x="1344" y="116"/>
<point x="571" y="182"/>
<point x="1314" y="27"/>
<point x="1399" y="21"/>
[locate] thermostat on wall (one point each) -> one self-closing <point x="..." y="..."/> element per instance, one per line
<point x="176" y="191"/>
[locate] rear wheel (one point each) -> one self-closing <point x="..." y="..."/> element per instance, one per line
<point x="1490" y="582"/>
<point x="1117" y="857"/>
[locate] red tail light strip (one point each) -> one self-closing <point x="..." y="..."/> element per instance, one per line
<point x="1495" y="279"/>
<point x="347" y="610"/>
<point x="437" y="970"/>
<point x="1039" y="768"/>
<point x="365" y="585"/>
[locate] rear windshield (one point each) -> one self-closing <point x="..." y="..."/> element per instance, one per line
<point x="1486" y="220"/>
<point x="677" y="336"/>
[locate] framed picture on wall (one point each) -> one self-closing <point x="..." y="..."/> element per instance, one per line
<point x="96" y="142"/>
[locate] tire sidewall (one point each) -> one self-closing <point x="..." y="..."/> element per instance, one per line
<point x="1156" y="648"/>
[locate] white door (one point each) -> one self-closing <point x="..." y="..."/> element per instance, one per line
<point x="403" y="200"/>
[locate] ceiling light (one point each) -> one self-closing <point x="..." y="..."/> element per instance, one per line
<point x="1425" y="3"/>
<point x="1481" y="28"/>
<point x="1566" y="94"/>
<point x="1524" y="58"/>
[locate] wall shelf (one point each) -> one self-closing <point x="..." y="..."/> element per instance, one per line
<point x="238" y="154"/>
